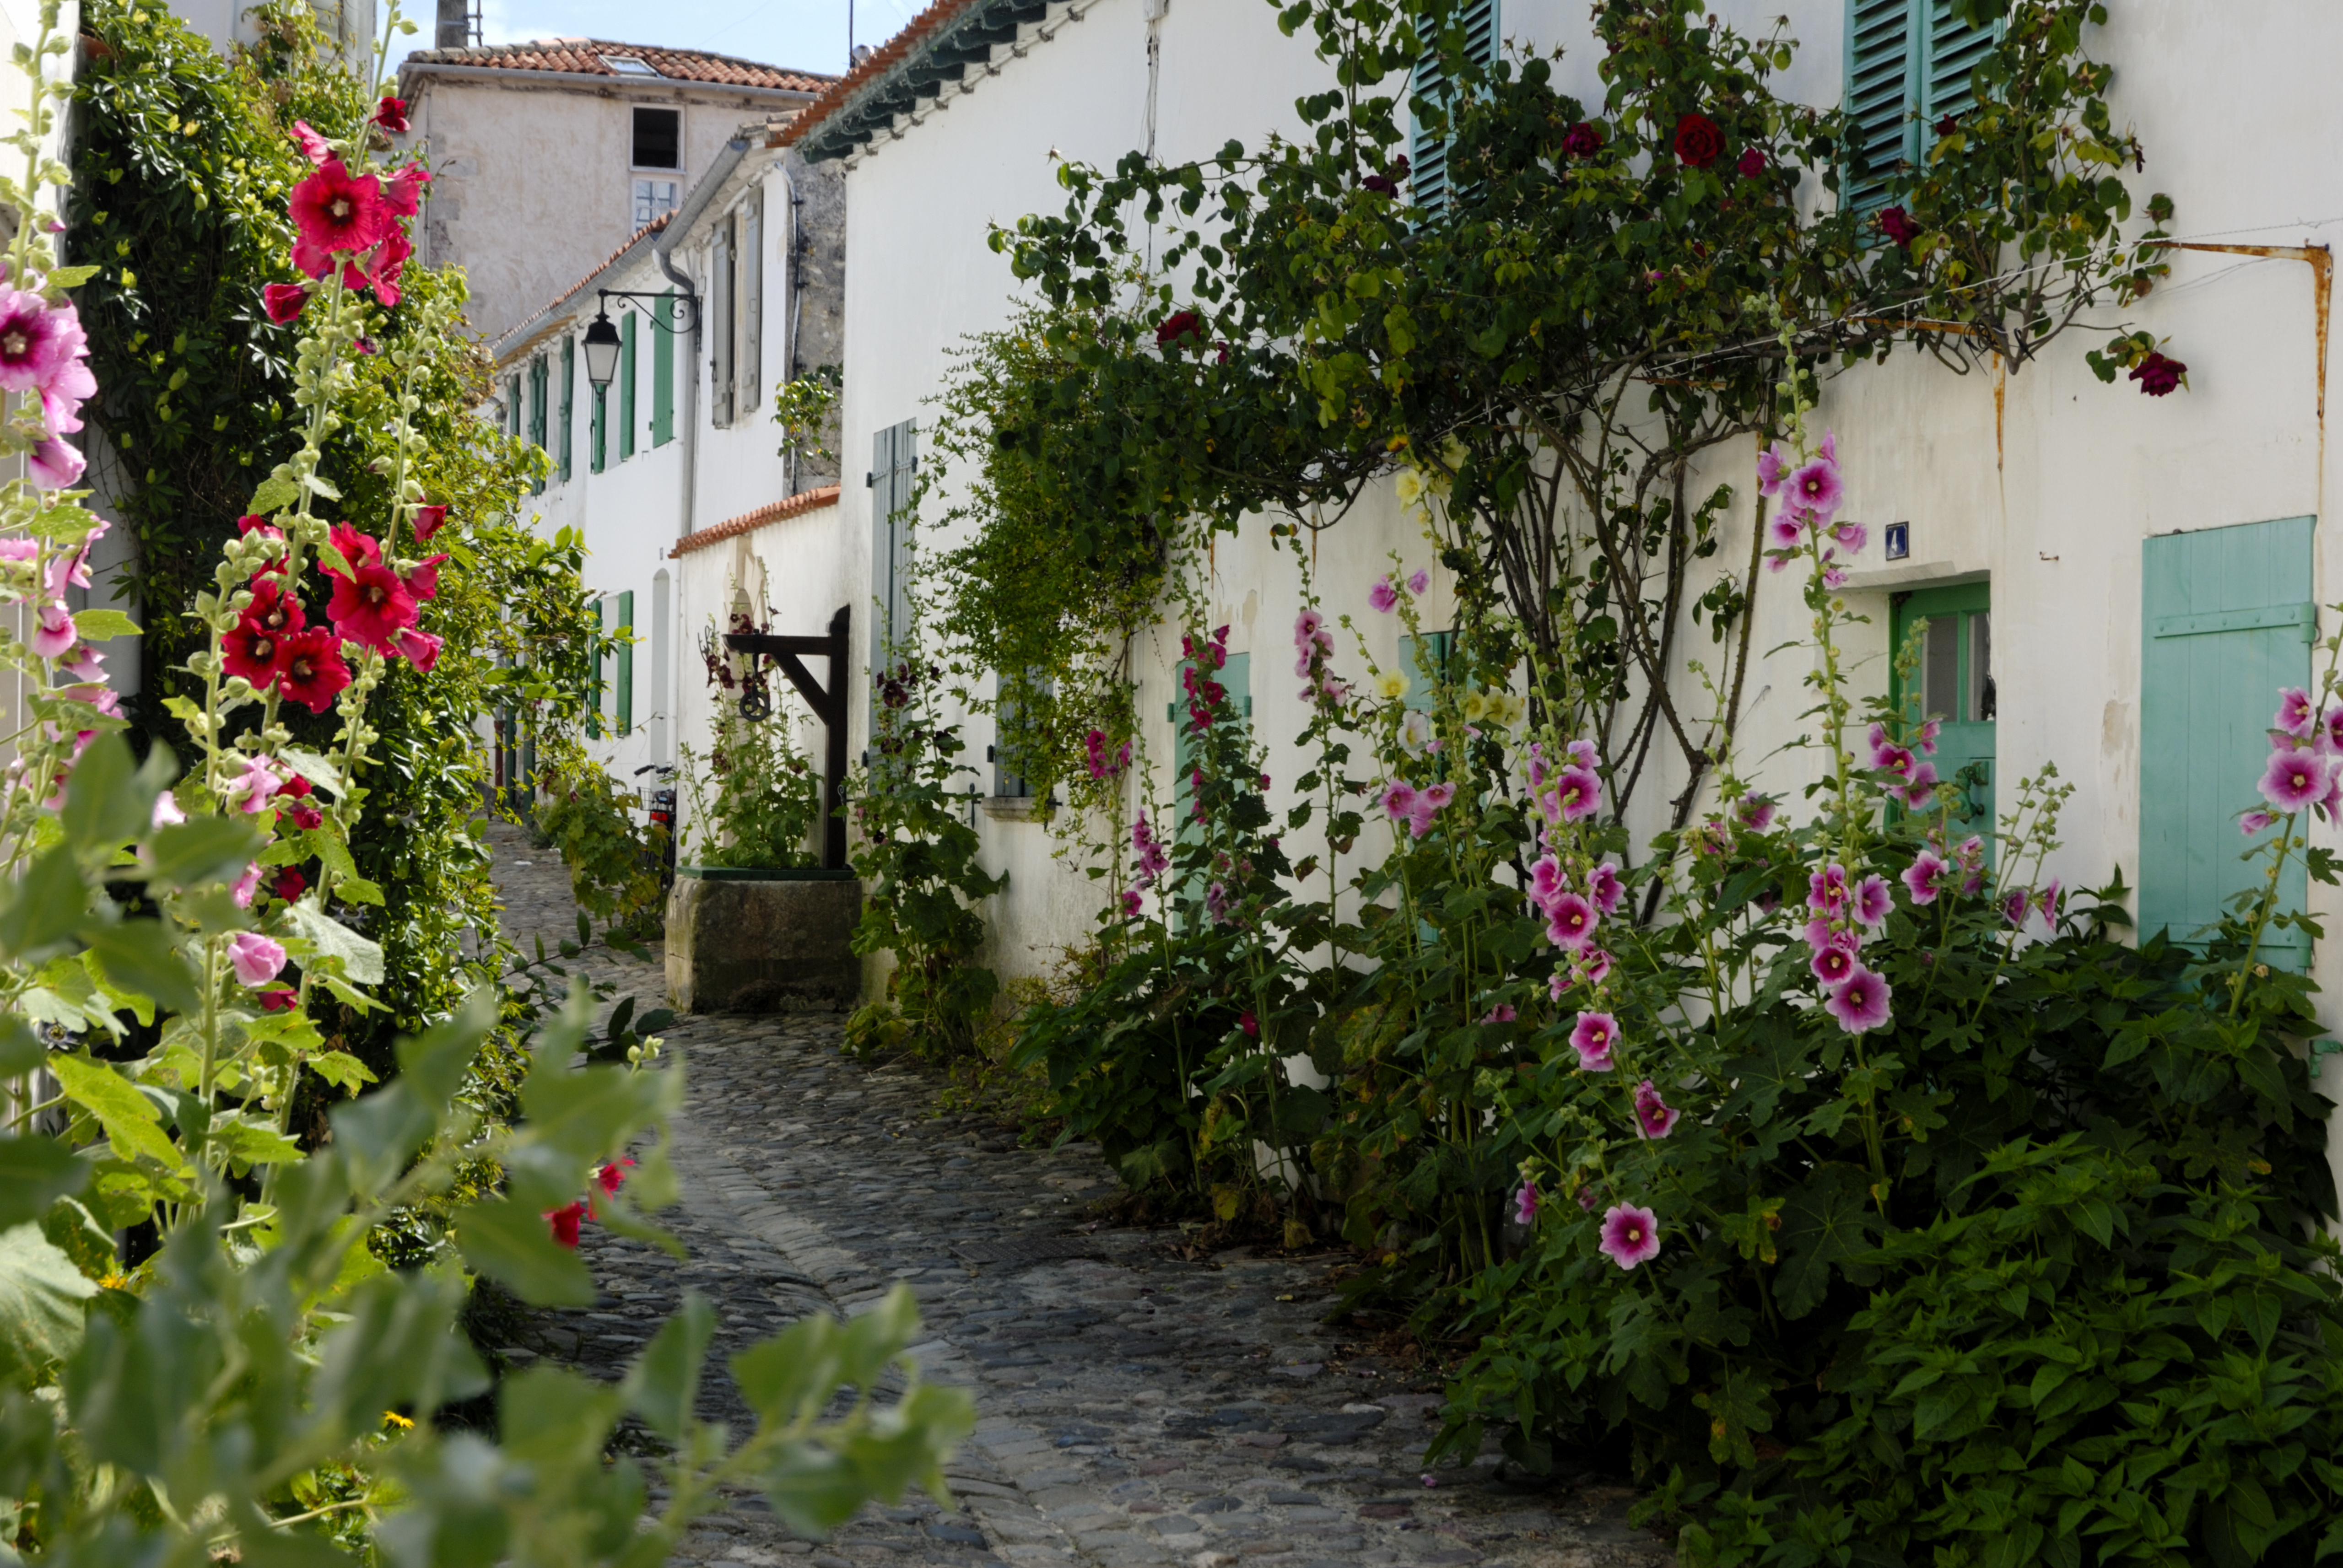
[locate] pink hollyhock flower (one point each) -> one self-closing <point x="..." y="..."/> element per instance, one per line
<point x="1419" y="581"/>
<point x="35" y="341"/>
<point x="1603" y="886"/>
<point x="2295" y="712"/>
<point x="1815" y="491"/>
<point x="243" y="886"/>
<point x="1630" y="1235"/>
<point x="1655" y="1117"/>
<point x="1131" y="902"/>
<point x="1927" y="736"/>
<point x="1773" y="465"/>
<point x="2293" y="779"/>
<point x="20" y="550"/>
<point x="420" y="648"/>
<point x="1545" y="880"/>
<point x="1593" y="965"/>
<point x="166" y="813"/>
<point x="1785" y="530"/>
<point x="313" y="146"/>
<point x="1577" y="793"/>
<point x="1756" y="812"/>
<point x="1860" y="1002"/>
<point x="390" y="113"/>
<point x="428" y="521"/>
<point x="336" y="211"/>
<point x="1834" y="575"/>
<point x="1582" y="752"/>
<point x="55" y="466"/>
<point x="1826" y="889"/>
<point x="1851" y="537"/>
<point x="2253" y="822"/>
<point x="1525" y="1203"/>
<point x="563" y="1223"/>
<point x="1593" y="1036"/>
<point x="1383" y="597"/>
<point x="1918" y="785"/>
<point x="1399" y="799"/>
<point x="71" y="569"/>
<point x="1502" y="1013"/>
<point x="254" y="957"/>
<point x="2048" y="902"/>
<point x="83" y="663"/>
<point x="95" y="693"/>
<point x="1920" y="876"/>
<point x="284" y="302"/>
<point x="1570" y="921"/>
<point x="55" y="634"/>
<point x="1833" y="960"/>
<point x="1556" y="984"/>
<point x="1306" y="628"/>
<point x="254" y="787"/>
<point x="1872" y="901"/>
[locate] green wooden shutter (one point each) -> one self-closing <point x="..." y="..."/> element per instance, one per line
<point x="627" y="387"/>
<point x="1956" y="687"/>
<point x="2227" y="623"/>
<point x="894" y="468"/>
<point x="626" y="682"/>
<point x="1427" y="154"/>
<point x="663" y="372"/>
<point x="1424" y="660"/>
<point x="1882" y="76"/>
<point x="599" y="684"/>
<point x="1011" y="735"/>
<point x="1950" y="51"/>
<point x="568" y="393"/>
<point x="536" y="412"/>
<point x="596" y="435"/>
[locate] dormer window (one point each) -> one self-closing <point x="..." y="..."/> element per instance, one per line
<point x="627" y="66"/>
<point x="658" y="138"/>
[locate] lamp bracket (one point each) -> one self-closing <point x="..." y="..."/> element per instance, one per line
<point x="685" y="299"/>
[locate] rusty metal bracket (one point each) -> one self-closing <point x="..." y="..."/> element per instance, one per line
<point x="829" y="704"/>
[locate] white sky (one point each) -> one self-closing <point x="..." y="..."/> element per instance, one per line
<point x="804" y="34"/>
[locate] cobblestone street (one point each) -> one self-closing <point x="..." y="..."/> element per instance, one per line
<point x="1135" y="1408"/>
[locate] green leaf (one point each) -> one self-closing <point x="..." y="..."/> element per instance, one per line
<point x="341" y="1069"/>
<point x="788" y="1378"/>
<point x="276" y="493"/>
<point x="318" y="770"/>
<point x="105" y="625"/>
<point x="248" y="1144"/>
<point x="41" y="1297"/>
<point x="661" y="1386"/>
<point x="202" y="850"/>
<point x="357" y="891"/>
<point x="361" y="957"/>
<point x="39" y="912"/>
<point x="69" y="276"/>
<point x="811" y="1490"/>
<point x="1824" y="1222"/>
<point x="21" y="1049"/>
<point x="35" y="1172"/>
<point x="140" y="956"/>
<point x="133" y="1123"/>
<point x="320" y="485"/>
<point x="514" y="1247"/>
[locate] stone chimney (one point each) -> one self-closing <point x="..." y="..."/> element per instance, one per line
<point x="455" y="30"/>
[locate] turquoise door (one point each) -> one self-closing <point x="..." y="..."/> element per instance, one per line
<point x="2228" y="622"/>
<point x="1955" y="687"/>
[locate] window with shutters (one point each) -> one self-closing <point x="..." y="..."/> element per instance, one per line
<point x="2225" y="627"/>
<point x="537" y="390"/>
<point x="597" y="434"/>
<point x="598" y="696"/>
<point x="663" y="372"/>
<point x="1427" y="153"/>
<point x="894" y="472"/>
<point x="722" y="253"/>
<point x="1956" y="687"/>
<point x="625" y="684"/>
<point x="1909" y="66"/>
<point x="1013" y="738"/>
<point x="626" y="386"/>
<point x="752" y="298"/>
<point x="1424" y="661"/>
<point x="568" y="393"/>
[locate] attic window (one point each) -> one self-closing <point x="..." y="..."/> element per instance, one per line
<point x="627" y="66"/>
<point x="658" y="138"/>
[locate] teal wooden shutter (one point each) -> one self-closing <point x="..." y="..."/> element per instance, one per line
<point x="601" y="683"/>
<point x="1950" y="52"/>
<point x="663" y="372"/>
<point x="627" y="387"/>
<point x="1881" y="76"/>
<point x="569" y="392"/>
<point x="894" y="466"/>
<point x="2226" y="623"/>
<point x="1424" y="660"/>
<point x="598" y="439"/>
<point x="1427" y="154"/>
<point x="626" y="682"/>
<point x="536" y="421"/>
<point x="1957" y="689"/>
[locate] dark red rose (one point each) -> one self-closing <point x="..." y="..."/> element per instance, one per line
<point x="1699" y="143"/>
<point x="1582" y="141"/>
<point x="1380" y="185"/>
<point x="1180" y="323"/>
<point x="1897" y="225"/>
<point x="1948" y="124"/>
<point x="1752" y="164"/>
<point x="2157" y="374"/>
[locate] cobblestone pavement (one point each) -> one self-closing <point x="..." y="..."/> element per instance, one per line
<point x="1134" y="1409"/>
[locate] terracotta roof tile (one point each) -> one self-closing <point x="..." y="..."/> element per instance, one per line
<point x="882" y="60"/>
<point x="591" y="57"/>
<point x="796" y="506"/>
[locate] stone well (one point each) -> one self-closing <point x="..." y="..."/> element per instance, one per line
<point x="742" y="940"/>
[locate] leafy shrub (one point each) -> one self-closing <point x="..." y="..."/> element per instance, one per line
<point x="758" y="804"/>
<point x="614" y="862"/>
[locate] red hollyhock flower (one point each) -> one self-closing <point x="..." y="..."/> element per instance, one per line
<point x="402" y="193"/>
<point x="335" y="210"/>
<point x="613" y="1176"/>
<point x="1178" y="325"/>
<point x="1897" y="225"/>
<point x="1582" y="140"/>
<point x="279" y="998"/>
<point x="309" y="670"/>
<point x="313" y="146"/>
<point x="282" y="301"/>
<point x="563" y="1222"/>
<point x="357" y="549"/>
<point x="379" y="269"/>
<point x="254" y="648"/>
<point x="427" y="522"/>
<point x="391" y="115"/>
<point x="2158" y="374"/>
<point x="423" y="582"/>
<point x="302" y="812"/>
<point x="372" y="607"/>
<point x="1698" y="141"/>
<point x="290" y="884"/>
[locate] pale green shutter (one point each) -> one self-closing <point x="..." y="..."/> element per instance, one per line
<point x="2227" y="625"/>
<point x="663" y="372"/>
<point x="1881" y="76"/>
<point x="626" y="683"/>
<point x="568" y="395"/>
<point x="1427" y="154"/>
<point x="1950" y="52"/>
<point x="1957" y="689"/>
<point x="1424" y="661"/>
<point x="894" y="468"/>
<point x="536" y="420"/>
<point x="598" y="438"/>
<point x="627" y="387"/>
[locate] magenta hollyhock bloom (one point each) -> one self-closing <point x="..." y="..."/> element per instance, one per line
<point x="284" y="302"/>
<point x="1130" y="902"/>
<point x="1872" y="900"/>
<point x="1581" y="752"/>
<point x="1630" y="1235"/>
<point x="1525" y="1202"/>
<point x="1593" y="965"/>
<point x="1437" y="798"/>
<point x="1833" y="575"/>
<point x="254" y="957"/>
<point x="1920" y="876"/>
<point x="1306" y="628"/>
<point x="1419" y="581"/>
<point x="1603" y="885"/>
<point x="1860" y="1002"/>
<point x="1756" y="812"/>
<point x="1399" y="799"/>
<point x="2048" y="902"/>
<point x="2295" y="712"/>
<point x="1918" y="785"/>
<point x="1773" y="465"/>
<point x="1815" y="491"/>
<point x="1556" y="984"/>
<point x="254" y="787"/>
<point x="2014" y="905"/>
<point x="1383" y="597"/>
<point x="420" y="649"/>
<point x="1593" y="1036"/>
<point x="1502" y="1013"/>
<point x="1928" y="736"/>
<point x="35" y="341"/>
<point x="1655" y="1117"/>
<point x="1785" y="530"/>
<point x="1826" y="889"/>
<point x="1577" y="793"/>
<point x="2294" y="780"/>
<point x="1852" y="537"/>
<point x="335" y="210"/>
<point x="1834" y="961"/>
<point x="53" y="635"/>
<point x="1892" y="759"/>
<point x="1570" y="921"/>
<point x="2253" y="822"/>
<point x="1545" y="880"/>
<point x="54" y="464"/>
<point x="314" y="146"/>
